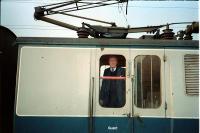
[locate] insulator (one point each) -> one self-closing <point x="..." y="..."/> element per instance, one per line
<point x="167" y="34"/>
<point x="180" y="35"/>
<point x="188" y="37"/>
<point x="83" y="33"/>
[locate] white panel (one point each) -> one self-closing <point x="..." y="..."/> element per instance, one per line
<point x="53" y="81"/>
<point x="181" y="104"/>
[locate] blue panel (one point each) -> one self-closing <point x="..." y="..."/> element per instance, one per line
<point x="112" y="125"/>
<point x="151" y="125"/>
<point x="104" y="125"/>
<point x="51" y="125"/>
<point x="185" y="125"/>
<point x="166" y="125"/>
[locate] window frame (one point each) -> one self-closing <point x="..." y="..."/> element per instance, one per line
<point x="99" y="74"/>
<point x="135" y="71"/>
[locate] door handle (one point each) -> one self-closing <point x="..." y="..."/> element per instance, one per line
<point x="127" y="114"/>
<point x="137" y="116"/>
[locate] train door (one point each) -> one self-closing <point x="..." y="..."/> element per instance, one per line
<point x="112" y="104"/>
<point x="148" y="87"/>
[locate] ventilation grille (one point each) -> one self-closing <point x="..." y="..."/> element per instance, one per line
<point x="192" y="73"/>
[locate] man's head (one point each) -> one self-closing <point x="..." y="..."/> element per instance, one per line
<point x="113" y="61"/>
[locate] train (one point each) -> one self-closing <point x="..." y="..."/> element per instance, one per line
<point x="59" y="83"/>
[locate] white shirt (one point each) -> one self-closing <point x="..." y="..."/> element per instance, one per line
<point x="112" y="69"/>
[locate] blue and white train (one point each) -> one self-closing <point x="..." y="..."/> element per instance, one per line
<point x="58" y="85"/>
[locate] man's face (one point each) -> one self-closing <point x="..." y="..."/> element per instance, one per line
<point x="113" y="62"/>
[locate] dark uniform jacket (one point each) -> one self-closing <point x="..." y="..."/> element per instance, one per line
<point x="112" y="93"/>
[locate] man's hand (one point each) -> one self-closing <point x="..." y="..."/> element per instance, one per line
<point x="101" y="102"/>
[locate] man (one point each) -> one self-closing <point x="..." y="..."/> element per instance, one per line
<point x="112" y="93"/>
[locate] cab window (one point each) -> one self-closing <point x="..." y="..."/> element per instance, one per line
<point x="112" y="71"/>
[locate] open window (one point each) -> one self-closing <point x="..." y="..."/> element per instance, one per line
<point x="112" y="72"/>
<point x="147" y="81"/>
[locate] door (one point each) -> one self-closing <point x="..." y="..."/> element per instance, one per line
<point x="112" y="109"/>
<point x="148" y="89"/>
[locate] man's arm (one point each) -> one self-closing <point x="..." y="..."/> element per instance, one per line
<point x="102" y="96"/>
<point x="122" y="72"/>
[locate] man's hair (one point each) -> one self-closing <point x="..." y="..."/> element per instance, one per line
<point x="113" y="56"/>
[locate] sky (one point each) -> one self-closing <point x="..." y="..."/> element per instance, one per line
<point x="18" y="16"/>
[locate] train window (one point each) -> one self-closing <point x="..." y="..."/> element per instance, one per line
<point x="191" y="62"/>
<point x="147" y="93"/>
<point x="112" y="81"/>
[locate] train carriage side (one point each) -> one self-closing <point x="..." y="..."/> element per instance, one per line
<point x="59" y="85"/>
<point x="53" y="90"/>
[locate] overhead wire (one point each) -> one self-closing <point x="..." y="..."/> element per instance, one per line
<point x="120" y="9"/>
<point x="130" y="6"/>
<point x="91" y="5"/>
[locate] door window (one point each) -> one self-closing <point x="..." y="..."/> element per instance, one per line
<point x="147" y="81"/>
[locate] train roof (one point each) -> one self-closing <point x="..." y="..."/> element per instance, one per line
<point x="123" y="43"/>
